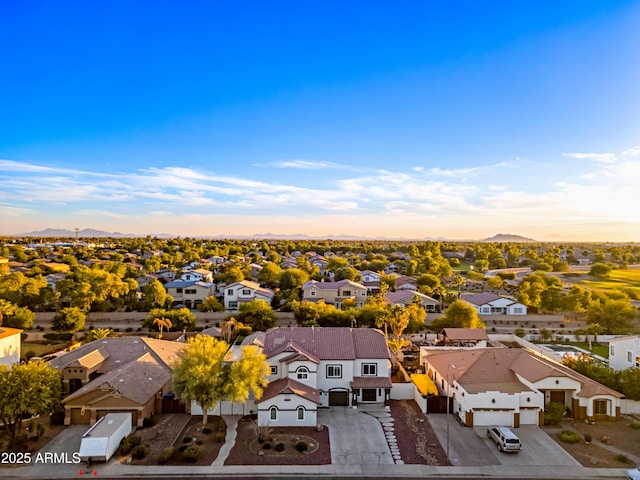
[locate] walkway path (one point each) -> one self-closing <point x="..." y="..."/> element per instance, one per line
<point x="230" y="439"/>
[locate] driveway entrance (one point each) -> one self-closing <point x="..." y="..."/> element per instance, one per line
<point x="356" y="438"/>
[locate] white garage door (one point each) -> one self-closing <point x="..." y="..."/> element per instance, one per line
<point x="488" y="417"/>
<point x="528" y="417"/>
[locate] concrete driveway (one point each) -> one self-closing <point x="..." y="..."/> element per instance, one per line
<point x="356" y="438"/>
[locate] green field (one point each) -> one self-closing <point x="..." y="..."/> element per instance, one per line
<point x="41" y="348"/>
<point x="627" y="280"/>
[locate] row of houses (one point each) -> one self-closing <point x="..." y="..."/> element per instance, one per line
<point x="326" y="368"/>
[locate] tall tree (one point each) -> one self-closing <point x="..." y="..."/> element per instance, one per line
<point x="202" y="374"/>
<point x="258" y="314"/>
<point x="460" y="314"/>
<point x="155" y="296"/>
<point x="70" y="319"/>
<point x="31" y="388"/>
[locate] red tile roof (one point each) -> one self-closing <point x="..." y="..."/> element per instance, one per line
<point x="286" y="386"/>
<point x="327" y="343"/>
<point x="458" y="334"/>
<point x="371" y="382"/>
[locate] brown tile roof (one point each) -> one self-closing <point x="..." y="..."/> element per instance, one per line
<point x="331" y="285"/>
<point x="483" y="298"/>
<point x="91" y="359"/>
<point x="138" y="380"/>
<point x="289" y="386"/>
<point x="457" y="334"/>
<point x="479" y="370"/>
<point x="371" y="382"/>
<point x="328" y="343"/>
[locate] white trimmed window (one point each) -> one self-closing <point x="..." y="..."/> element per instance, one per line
<point x="274" y="369"/>
<point x="369" y="369"/>
<point x="302" y="373"/>
<point x="300" y="413"/>
<point x="629" y="356"/>
<point x="273" y="413"/>
<point x="334" y="371"/>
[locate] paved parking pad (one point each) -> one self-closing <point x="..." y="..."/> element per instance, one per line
<point x="537" y="448"/>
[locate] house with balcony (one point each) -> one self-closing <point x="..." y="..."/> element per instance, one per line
<point x="245" y="291"/>
<point x="334" y="293"/>
<point x="322" y="367"/>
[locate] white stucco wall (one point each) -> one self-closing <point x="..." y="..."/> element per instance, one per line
<point x="10" y="348"/>
<point x="287" y="412"/>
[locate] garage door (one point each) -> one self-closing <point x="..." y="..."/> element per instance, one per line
<point x="528" y="417"/>
<point x="490" y="417"/>
<point x="339" y="398"/>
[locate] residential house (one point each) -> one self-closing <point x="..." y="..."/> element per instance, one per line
<point x="197" y="275"/>
<point x="245" y="291"/>
<point x="511" y="386"/>
<point x="487" y="303"/>
<point x="334" y="293"/>
<point x="122" y="374"/>
<point x="9" y="346"/>
<point x="322" y="367"/>
<point x="405" y="282"/>
<point x="190" y="293"/>
<point x="463" y="337"/>
<point x="407" y="297"/>
<point x="624" y="352"/>
<point x="371" y="280"/>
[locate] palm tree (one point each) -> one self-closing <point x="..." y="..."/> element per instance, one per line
<point x="98" y="334"/>
<point x="162" y="323"/>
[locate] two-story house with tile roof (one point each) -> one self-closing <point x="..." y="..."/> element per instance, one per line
<point x="189" y="293"/>
<point x="245" y="291"/>
<point x="624" y="352"/>
<point x="371" y="280"/>
<point x="322" y="367"/>
<point x="334" y="293"/>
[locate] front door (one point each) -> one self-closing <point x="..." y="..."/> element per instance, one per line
<point x="369" y="395"/>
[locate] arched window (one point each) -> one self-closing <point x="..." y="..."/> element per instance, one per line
<point x="302" y="373"/>
<point x="300" y="413"/>
<point x="273" y="413"/>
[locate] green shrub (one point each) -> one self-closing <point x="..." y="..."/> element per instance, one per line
<point x="165" y="455"/>
<point x="58" y="337"/>
<point x="129" y="443"/>
<point x="192" y="454"/>
<point x="219" y="437"/>
<point x="207" y="430"/>
<point x="635" y="425"/>
<point x="588" y="437"/>
<point x="569" y="436"/>
<point x="623" y="458"/>
<point x="302" y="446"/>
<point x="279" y="447"/>
<point x="148" y="422"/>
<point x="554" y="412"/>
<point x="128" y="329"/>
<point x="139" y="452"/>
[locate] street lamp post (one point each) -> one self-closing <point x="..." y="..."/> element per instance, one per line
<point x="448" y="399"/>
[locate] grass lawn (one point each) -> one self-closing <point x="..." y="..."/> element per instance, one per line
<point x="601" y="350"/>
<point x="617" y="280"/>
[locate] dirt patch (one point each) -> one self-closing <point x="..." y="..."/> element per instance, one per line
<point x="247" y="447"/>
<point x="27" y="439"/>
<point x="417" y="442"/>
<point x="182" y="432"/>
<point x="617" y="434"/>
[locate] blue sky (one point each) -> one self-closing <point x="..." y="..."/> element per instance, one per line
<point x="380" y="119"/>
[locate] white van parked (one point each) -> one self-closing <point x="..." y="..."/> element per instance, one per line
<point x="506" y="440"/>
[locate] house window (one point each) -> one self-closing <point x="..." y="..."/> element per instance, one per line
<point x="246" y="291"/>
<point x="363" y="293"/>
<point x="230" y="291"/>
<point x="517" y="310"/>
<point x="486" y="309"/>
<point x="312" y="293"/>
<point x="334" y="371"/>
<point x="190" y="291"/>
<point x="273" y="413"/>
<point x="369" y="369"/>
<point x="300" y="413"/>
<point x="629" y="357"/>
<point x="611" y="350"/>
<point x="178" y="290"/>
<point x="302" y="373"/>
<point x="346" y="293"/>
<point x="274" y="370"/>
<point x="600" y="407"/>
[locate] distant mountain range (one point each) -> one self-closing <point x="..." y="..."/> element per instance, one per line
<point x="508" y="237"/>
<point x="93" y="233"/>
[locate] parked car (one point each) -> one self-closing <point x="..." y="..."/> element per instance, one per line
<point x="633" y="474"/>
<point x="505" y="439"/>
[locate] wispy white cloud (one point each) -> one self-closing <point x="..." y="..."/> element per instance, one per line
<point x="632" y="152"/>
<point x="598" y="157"/>
<point x="304" y="164"/>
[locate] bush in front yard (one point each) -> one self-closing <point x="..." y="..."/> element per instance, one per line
<point x="279" y="447"/>
<point x="129" y="443"/>
<point x="192" y="454"/>
<point x="139" y="452"/>
<point x="569" y="436"/>
<point x="165" y="455"/>
<point x="554" y="412"/>
<point x="302" y="446"/>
